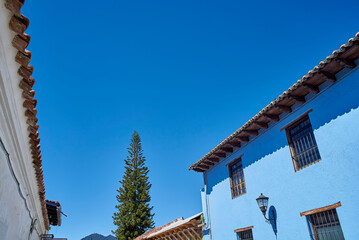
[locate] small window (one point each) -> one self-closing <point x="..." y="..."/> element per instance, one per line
<point x="238" y="185"/>
<point x="245" y="235"/>
<point x="325" y="225"/>
<point x="302" y="144"/>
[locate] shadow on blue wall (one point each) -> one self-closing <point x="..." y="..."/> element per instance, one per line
<point x="333" y="102"/>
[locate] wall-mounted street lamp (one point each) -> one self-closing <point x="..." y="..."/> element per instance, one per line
<point x="262" y="202"/>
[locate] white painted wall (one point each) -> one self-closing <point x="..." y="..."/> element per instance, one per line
<point x="16" y="213"/>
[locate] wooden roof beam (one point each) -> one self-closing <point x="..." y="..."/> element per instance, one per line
<point x="271" y="117"/>
<point x="192" y="223"/>
<point x="284" y="108"/>
<point x="184" y="234"/>
<point x="327" y="76"/>
<point x="298" y="99"/>
<point x="243" y="139"/>
<point x="220" y="154"/>
<point x="251" y="132"/>
<point x="180" y="229"/>
<point x="227" y="149"/>
<point x="203" y="167"/>
<point x="195" y="233"/>
<point x="172" y="235"/>
<point x="346" y="63"/>
<point x="198" y="222"/>
<point x="213" y="159"/>
<point x="198" y="170"/>
<point x="179" y="235"/>
<point x="261" y="124"/>
<point x="201" y="224"/>
<point x="189" y="233"/>
<point x="311" y="88"/>
<point x="208" y="163"/>
<point x="235" y="144"/>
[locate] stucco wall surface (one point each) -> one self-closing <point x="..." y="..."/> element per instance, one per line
<point x="14" y="218"/>
<point x="16" y="213"/>
<point x="17" y="206"/>
<point x="268" y="169"/>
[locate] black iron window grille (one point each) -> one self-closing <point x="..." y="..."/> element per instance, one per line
<point x="245" y="235"/>
<point x="303" y="147"/>
<point x="325" y="225"/>
<point x="238" y="185"/>
<point x="46" y="236"/>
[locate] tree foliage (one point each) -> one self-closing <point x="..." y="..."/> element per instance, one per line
<point x="134" y="213"/>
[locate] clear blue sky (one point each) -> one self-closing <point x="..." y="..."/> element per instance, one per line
<point x="184" y="74"/>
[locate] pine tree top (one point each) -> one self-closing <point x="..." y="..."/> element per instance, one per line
<point x="134" y="214"/>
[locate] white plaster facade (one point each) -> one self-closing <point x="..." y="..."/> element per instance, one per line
<point x="19" y="193"/>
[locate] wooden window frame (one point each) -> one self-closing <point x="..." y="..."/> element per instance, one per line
<point x="297" y="120"/>
<point x="241" y="230"/>
<point x="287" y="129"/>
<point x="308" y="214"/>
<point x="229" y="165"/>
<point x="322" y="209"/>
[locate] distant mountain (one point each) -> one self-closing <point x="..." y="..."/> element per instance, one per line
<point x="96" y="236"/>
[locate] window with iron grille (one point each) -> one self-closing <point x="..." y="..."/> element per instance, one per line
<point x="245" y="235"/>
<point x="302" y="144"/>
<point x="47" y="236"/>
<point x="325" y="225"/>
<point x="238" y="185"/>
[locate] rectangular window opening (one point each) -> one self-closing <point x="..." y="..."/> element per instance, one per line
<point x="302" y="144"/>
<point x="245" y="235"/>
<point x="236" y="175"/>
<point x="325" y="225"/>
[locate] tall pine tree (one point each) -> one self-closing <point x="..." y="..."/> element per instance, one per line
<point x="134" y="213"/>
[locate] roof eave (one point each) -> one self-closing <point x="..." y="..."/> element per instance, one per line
<point x="18" y="24"/>
<point x="319" y="71"/>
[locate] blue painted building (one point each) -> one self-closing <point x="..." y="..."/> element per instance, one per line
<point x="301" y="151"/>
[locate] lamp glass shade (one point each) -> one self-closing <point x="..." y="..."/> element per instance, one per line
<point x="262" y="202"/>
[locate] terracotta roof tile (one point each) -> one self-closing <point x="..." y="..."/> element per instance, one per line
<point x="340" y="62"/>
<point x="152" y="234"/>
<point x="154" y="230"/>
